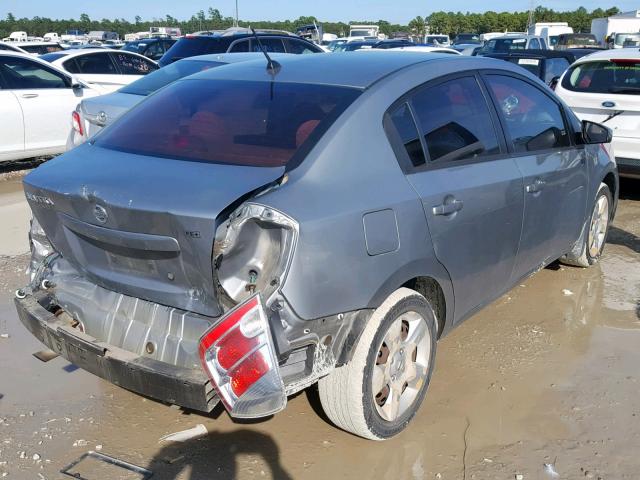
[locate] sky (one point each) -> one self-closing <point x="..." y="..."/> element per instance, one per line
<point x="398" y="11"/>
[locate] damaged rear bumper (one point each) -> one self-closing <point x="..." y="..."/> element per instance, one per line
<point x="189" y="388"/>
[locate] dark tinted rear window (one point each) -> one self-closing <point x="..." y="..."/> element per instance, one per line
<point x="166" y="75"/>
<point x="50" y="57"/>
<point x="231" y="122"/>
<point x="533" y="65"/>
<point x="191" y="46"/>
<point x="616" y="76"/>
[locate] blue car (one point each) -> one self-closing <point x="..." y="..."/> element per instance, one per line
<point x="252" y="230"/>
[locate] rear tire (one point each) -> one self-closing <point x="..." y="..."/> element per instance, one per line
<point x="594" y="237"/>
<point x="378" y="392"/>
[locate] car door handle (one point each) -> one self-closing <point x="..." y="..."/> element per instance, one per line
<point x="29" y="95"/>
<point x="536" y="186"/>
<point x="448" y="208"/>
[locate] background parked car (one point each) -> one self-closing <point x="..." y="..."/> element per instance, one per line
<point x="153" y="48"/>
<point x="605" y="87"/>
<point x="236" y="40"/>
<point x="467" y="39"/>
<point x="355" y="45"/>
<point x="106" y="68"/>
<point x="93" y="114"/>
<point x="581" y="52"/>
<point x="547" y="65"/>
<point x="36" y="100"/>
<point x="10" y="47"/>
<point x="438" y="40"/>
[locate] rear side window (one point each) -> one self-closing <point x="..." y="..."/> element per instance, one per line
<point x="274" y="45"/>
<point x="241" y="47"/>
<point x="132" y="64"/>
<point x="93" y="64"/>
<point x="261" y="124"/>
<point x="455" y="121"/>
<point x="408" y="135"/>
<point x="532" y="119"/>
<point x="621" y="76"/>
<point x="298" y="47"/>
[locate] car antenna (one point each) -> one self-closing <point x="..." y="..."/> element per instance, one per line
<point x="273" y="67"/>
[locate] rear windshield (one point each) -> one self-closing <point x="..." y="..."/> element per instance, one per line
<point x="166" y="75"/>
<point x="576" y="39"/>
<point x="616" y="76"/>
<point x="506" y="44"/>
<point x="51" y="57"/>
<point x="41" y="49"/>
<point x="261" y="124"/>
<point x="532" y="64"/>
<point x="191" y="46"/>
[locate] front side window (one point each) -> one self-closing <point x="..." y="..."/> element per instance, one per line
<point x="93" y="64"/>
<point x="262" y="124"/>
<point x="532" y="119"/>
<point x="555" y="68"/>
<point x="22" y="73"/>
<point x="132" y="64"/>
<point x="607" y="76"/>
<point x="455" y="121"/>
<point x="240" y="47"/>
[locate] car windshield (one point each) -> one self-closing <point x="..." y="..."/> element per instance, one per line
<point x="52" y="57"/>
<point x="250" y="123"/>
<point x="553" y="40"/>
<point x="615" y="76"/>
<point x="166" y="75"/>
<point x="533" y="65"/>
<point x="622" y="38"/>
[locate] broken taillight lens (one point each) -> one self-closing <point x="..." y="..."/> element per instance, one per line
<point x="239" y="356"/>
<point x="76" y="123"/>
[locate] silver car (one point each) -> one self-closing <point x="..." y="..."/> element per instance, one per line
<point x="251" y="230"/>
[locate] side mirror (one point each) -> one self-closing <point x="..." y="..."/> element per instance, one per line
<point x="554" y="82"/>
<point x="76" y="86"/>
<point x="594" y="133"/>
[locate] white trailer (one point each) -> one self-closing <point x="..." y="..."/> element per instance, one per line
<point x="605" y="28"/>
<point x="549" y="31"/>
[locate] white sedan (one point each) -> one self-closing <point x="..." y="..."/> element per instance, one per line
<point x="108" y="69"/>
<point x="36" y="100"/>
<point x="604" y="87"/>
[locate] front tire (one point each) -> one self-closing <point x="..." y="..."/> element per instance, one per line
<point x="594" y="238"/>
<point x="378" y="392"/>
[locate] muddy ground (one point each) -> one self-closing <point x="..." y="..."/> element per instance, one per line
<point x="548" y="374"/>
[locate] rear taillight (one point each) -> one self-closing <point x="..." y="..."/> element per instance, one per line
<point x="239" y="356"/>
<point x="76" y="123"/>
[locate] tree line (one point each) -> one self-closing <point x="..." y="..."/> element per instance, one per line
<point x="450" y="23"/>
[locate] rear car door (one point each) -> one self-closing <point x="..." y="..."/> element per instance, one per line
<point x="95" y="68"/>
<point x="12" y="131"/>
<point x="132" y="67"/>
<point x="470" y="190"/>
<point x="46" y="100"/>
<point x="554" y="170"/>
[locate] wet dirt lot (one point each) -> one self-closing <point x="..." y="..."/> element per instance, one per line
<point x="548" y="374"/>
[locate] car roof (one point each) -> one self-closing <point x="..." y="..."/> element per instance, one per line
<point x="87" y="51"/>
<point x="631" y="53"/>
<point x="35" y="59"/>
<point x="233" y="57"/>
<point x="533" y="53"/>
<point x="339" y="69"/>
<point x="515" y="36"/>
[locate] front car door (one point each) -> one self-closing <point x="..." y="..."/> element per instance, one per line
<point x="12" y="131"/>
<point x="554" y="170"/>
<point x="46" y="99"/>
<point x="470" y="190"/>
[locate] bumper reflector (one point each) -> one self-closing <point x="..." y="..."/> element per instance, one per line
<point x="239" y="356"/>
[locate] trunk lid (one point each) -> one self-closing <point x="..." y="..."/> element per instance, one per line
<point x="139" y="225"/>
<point x="598" y="107"/>
<point x="103" y="110"/>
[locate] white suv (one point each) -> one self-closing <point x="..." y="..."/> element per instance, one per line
<point x="604" y="87"/>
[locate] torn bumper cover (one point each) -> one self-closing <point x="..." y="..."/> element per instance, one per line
<point x="189" y="388"/>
